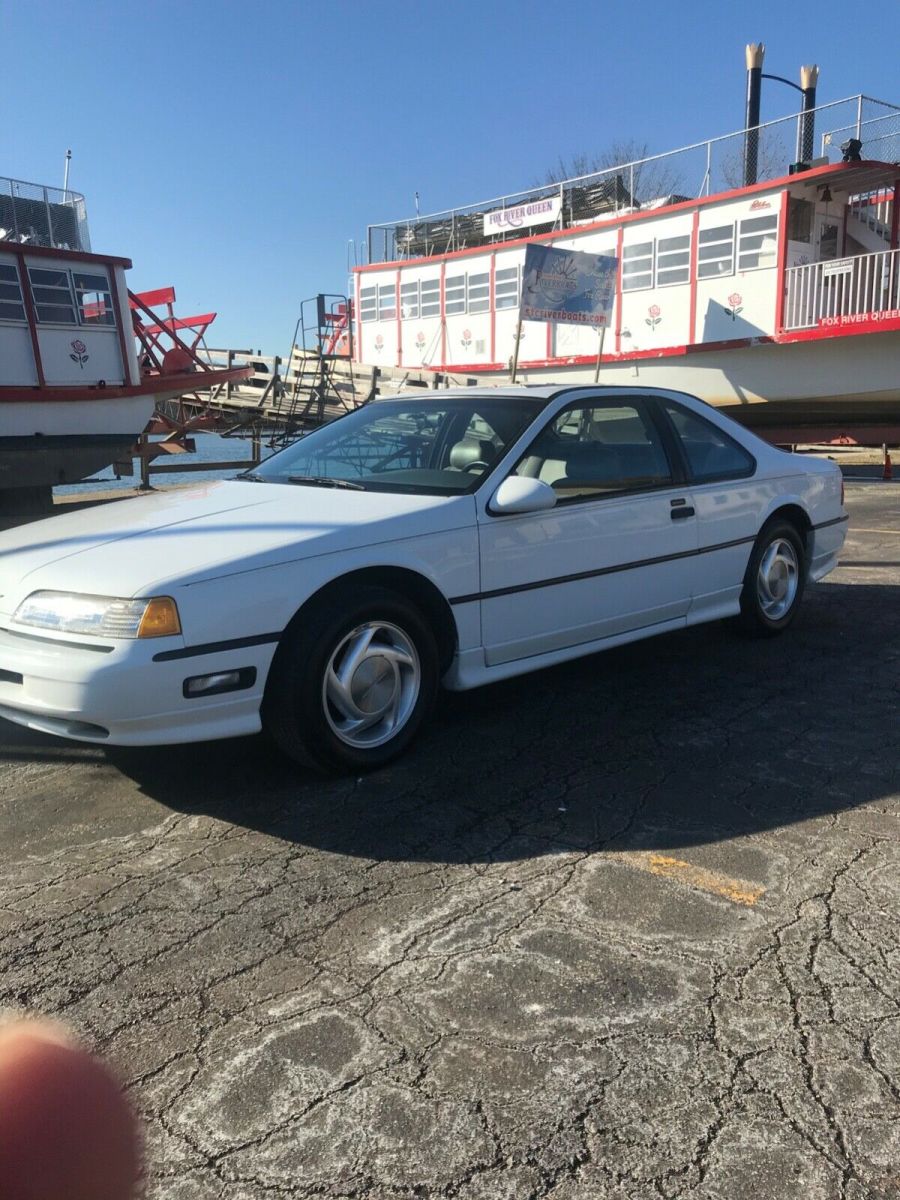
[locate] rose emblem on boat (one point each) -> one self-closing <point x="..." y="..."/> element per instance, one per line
<point x="420" y="341"/>
<point x="654" y="316"/>
<point x="466" y="340"/>
<point x="379" y="342"/>
<point x="736" y="301"/>
<point x="79" y="352"/>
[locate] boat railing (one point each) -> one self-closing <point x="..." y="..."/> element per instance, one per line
<point x="844" y="291"/>
<point x="36" y="215"/>
<point x="700" y="169"/>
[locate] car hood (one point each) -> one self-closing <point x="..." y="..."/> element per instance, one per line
<point x="140" y="546"/>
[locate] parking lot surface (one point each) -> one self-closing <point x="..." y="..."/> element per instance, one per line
<point x="627" y="928"/>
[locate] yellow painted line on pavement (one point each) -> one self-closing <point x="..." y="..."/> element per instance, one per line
<point x="860" y="529"/>
<point x="738" y="891"/>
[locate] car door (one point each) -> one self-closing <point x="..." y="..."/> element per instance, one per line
<point x="729" y="504"/>
<point x="612" y="556"/>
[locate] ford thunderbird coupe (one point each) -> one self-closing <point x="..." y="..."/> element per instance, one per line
<point x="436" y="538"/>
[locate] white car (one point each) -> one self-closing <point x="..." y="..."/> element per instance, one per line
<point x="454" y="537"/>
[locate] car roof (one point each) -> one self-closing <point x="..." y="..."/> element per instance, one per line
<point x="521" y="391"/>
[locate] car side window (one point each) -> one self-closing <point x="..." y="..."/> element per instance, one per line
<point x="712" y="455"/>
<point x="598" y="449"/>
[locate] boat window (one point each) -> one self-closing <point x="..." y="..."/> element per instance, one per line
<point x="11" y="306"/>
<point x="455" y="294"/>
<point x="387" y="301"/>
<point x="506" y="288"/>
<point x="94" y="300"/>
<point x="758" y="243"/>
<point x="673" y="260"/>
<point x="800" y="215"/>
<point x="368" y="306"/>
<point x="52" y="296"/>
<point x="479" y="292"/>
<point x="430" y="298"/>
<point x="637" y="266"/>
<point x="409" y="300"/>
<point x="716" y="252"/>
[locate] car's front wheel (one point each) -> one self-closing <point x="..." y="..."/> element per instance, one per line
<point x="352" y="681"/>
<point x="773" y="584"/>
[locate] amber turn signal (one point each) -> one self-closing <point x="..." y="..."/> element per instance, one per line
<point x="160" y="618"/>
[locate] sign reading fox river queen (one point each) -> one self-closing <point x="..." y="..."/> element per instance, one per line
<point x="522" y="216"/>
<point x="567" y="286"/>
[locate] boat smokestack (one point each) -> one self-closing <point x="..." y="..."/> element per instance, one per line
<point x="755" y="53"/>
<point x="809" y="78"/>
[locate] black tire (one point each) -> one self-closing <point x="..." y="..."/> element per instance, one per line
<point x="296" y="711"/>
<point x="765" y="613"/>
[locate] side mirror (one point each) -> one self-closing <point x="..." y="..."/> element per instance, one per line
<point x="519" y="494"/>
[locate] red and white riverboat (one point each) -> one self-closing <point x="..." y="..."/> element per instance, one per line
<point x="75" y="392"/>
<point x="777" y="300"/>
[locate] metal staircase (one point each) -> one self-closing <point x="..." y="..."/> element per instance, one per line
<point x="870" y="217"/>
<point x="312" y="392"/>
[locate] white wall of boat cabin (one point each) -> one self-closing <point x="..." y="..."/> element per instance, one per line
<point x="468" y="334"/>
<point x="653" y="318"/>
<point x="376" y="341"/>
<point x="755" y="292"/>
<point x="420" y="344"/>
<point x="102" y="358"/>
<point x="17" y="366"/>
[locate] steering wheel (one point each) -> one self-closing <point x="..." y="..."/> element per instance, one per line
<point x="471" y="466"/>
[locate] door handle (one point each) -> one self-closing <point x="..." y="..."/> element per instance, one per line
<point x="681" y="511"/>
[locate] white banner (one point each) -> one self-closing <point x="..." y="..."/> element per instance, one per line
<point x="837" y="266"/>
<point x="523" y="216"/>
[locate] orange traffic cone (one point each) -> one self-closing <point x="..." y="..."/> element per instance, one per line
<point x="888" y="472"/>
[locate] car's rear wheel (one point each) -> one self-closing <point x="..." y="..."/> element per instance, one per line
<point x="774" y="581"/>
<point x="353" y="680"/>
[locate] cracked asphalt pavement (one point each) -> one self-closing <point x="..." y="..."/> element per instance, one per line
<point x="624" y="929"/>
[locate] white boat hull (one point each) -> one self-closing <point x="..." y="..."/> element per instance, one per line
<point x="843" y="380"/>
<point x="49" y="443"/>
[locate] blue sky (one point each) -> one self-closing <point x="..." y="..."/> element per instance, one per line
<point x="233" y="149"/>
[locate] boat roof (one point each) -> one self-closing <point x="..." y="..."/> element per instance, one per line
<point x="852" y="177"/>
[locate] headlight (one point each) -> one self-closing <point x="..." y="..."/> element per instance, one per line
<point x="105" y="616"/>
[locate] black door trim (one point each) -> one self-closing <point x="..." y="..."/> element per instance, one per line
<point x="598" y="571"/>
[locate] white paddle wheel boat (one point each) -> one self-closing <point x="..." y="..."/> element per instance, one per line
<point x="769" y="288"/>
<point x="83" y="361"/>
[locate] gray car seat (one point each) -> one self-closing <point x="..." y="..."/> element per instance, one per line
<point x="470" y="451"/>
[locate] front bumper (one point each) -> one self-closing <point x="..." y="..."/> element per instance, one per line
<point x="119" y="695"/>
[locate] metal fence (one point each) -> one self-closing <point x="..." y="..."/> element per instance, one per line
<point x="700" y="169"/>
<point x="42" y="216"/>
<point x="835" y="292"/>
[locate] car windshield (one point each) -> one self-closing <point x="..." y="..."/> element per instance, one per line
<point x="433" y="446"/>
